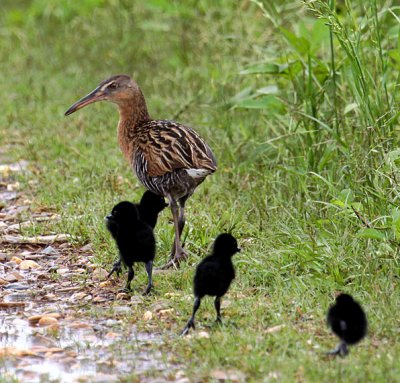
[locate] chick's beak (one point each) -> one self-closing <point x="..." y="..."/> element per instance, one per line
<point x="238" y="249"/>
<point x="96" y="95"/>
<point x="108" y="217"/>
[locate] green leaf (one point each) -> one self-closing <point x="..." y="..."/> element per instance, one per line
<point x="349" y="107"/>
<point x="242" y="95"/>
<point x="299" y="44"/>
<point x="269" y="102"/>
<point x="263" y="68"/>
<point x="270" y="89"/>
<point x="371" y="233"/>
<point x="347" y="196"/>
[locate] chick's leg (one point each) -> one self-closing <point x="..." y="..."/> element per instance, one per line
<point x="217" y="305"/>
<point x="131" y="274"/>
<point x="149" y="270"/>
<point x="190" y="323"/>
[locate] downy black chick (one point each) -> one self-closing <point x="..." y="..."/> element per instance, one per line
<point x="134" y="238"/>
<point x="214" y="275"/>
<point x="149" y="207"/>
<point x="348" y="321"/>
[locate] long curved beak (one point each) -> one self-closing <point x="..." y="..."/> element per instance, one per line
<point x="96" y="95"/>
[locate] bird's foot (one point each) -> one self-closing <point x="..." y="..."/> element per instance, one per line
<point x="175" y="260"/>
<point x="341" y="350"/>
<point x="117" y="268"/>
<point x="188" y="326"/>
<point x="147" y="291"/>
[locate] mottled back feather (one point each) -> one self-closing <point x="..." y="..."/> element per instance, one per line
<point x="166" y="146"/>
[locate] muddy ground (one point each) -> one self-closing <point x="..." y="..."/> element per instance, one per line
<point x="50" y="295"/>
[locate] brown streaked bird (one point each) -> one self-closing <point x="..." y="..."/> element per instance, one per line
<point x="169" y="159"/>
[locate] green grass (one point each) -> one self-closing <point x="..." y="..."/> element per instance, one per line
<point x="299" y="101"/>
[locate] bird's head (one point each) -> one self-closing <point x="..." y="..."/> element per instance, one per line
<point x="123" y="213"/>
<point x="153" y="202"/>
<point x="226" y="245"/>
<point x="119" y="89"/>
<point x="344" y="299"/>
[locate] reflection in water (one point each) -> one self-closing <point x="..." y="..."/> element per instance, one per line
<point x="74" y="351"/>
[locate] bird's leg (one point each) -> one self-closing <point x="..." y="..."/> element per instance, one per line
<point x="178" y="254"/>
<point x="131" y="274"/>
<point x="217" y="305"/>
<point x="116" y="267"/>
<point x="190" y="323"/>
<point x="341" y="350"/>
<point x="181" y="223"/>
<point x="149" y="270"/>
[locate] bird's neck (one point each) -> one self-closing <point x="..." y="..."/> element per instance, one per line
<point x="132" y="113"/>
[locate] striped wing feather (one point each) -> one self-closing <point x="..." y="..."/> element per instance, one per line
<point x="166" y="146"/>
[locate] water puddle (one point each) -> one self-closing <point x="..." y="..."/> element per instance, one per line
<point x="75" y="351"/>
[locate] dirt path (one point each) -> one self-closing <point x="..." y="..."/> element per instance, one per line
<point x="46" y="286"/>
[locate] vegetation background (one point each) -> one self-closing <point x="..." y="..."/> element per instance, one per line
<point x="299" y="101"/>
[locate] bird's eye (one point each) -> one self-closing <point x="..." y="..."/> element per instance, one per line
<point x="113" y="85"/>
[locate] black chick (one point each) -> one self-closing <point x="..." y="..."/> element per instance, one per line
<point x="214" y="275"/>
<point x="134" y="238"/>
<point x="348" y="321"/>
<point x="149" y="207"/>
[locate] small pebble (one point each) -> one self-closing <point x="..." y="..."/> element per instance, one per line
<point x="16" y="260"/>
<point x="17" y="286"/>
<point x="99" y="274"/>
<point x="47" y="321"/>
<point x="28" y="265"/>
<point x="49" y="250"/>
<point x="147" y="316"/>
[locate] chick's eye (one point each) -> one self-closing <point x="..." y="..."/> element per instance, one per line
<point x="113" y="85"/>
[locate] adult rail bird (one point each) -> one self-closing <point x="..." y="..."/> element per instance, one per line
<point x="169" y="159"/>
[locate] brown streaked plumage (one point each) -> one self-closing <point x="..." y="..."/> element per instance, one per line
<point x="169" y="159"/>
